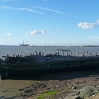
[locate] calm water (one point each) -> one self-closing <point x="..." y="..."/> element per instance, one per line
<point x="25" y="50"/>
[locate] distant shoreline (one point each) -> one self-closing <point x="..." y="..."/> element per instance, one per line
<point x="52" y="46"/>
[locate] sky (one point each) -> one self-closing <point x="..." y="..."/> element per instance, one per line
<point x="49" y="22"/>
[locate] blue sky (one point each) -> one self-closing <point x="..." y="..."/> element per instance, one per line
<point x="49" y="22"/>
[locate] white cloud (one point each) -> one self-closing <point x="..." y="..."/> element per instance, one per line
<point x="8" y="34"/>
<point x="42" y="8"/>
<point x="7" y="7"/>
<point x="86" y="25"/>
<point x="56" y="11"/>
<point x="97" y="21"/>
<point x="59" y="30"/>
<point x="35" y="32"/>
<point x="43" y="31"/>
<point x="20" y="9"/>
<point x="94" y="37"/>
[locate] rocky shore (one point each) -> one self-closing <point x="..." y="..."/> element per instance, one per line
<point x="69" y="85"/>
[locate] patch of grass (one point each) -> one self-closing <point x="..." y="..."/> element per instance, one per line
<point x="48" y="94"/>
<point x="69" y="88"/>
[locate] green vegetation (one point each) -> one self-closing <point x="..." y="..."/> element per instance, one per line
<point x="48" y="94"/>
<point x="69" y="88"/>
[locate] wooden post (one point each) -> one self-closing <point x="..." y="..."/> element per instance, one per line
<point x="0" y="79"/>
<point x="63" y="52"/>
<point x="6" y="73"/>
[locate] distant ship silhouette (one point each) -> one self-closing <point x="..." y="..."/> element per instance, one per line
<point x="27" y="44"/>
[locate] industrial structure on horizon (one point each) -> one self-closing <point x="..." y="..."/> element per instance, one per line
<point x="24" y="44"/>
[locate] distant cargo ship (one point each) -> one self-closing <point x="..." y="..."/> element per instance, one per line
<point x="27" y="44"/>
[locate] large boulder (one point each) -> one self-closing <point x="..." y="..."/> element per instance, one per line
<point x="84" y="93"/>
<point x="88" y="91"/>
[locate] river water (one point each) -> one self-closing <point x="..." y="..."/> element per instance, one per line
<point x="26" y="50"/>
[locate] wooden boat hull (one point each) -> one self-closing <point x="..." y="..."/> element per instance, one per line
<point x="32" y="70"/>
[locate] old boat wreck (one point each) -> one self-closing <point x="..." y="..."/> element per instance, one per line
<point x="37" y="63"/>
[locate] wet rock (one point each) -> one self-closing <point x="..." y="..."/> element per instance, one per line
<point x="74" y="87"/>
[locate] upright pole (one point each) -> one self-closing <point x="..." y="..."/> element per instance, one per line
<point x="6" y="73"/>
<point x="0" y="79"/>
